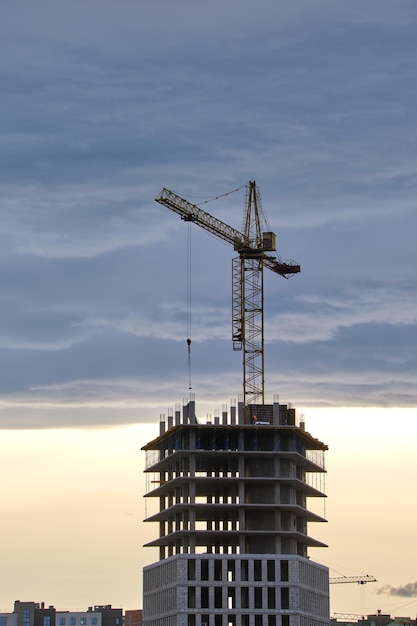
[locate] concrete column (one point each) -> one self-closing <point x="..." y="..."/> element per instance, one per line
<point x="233" y="415"/>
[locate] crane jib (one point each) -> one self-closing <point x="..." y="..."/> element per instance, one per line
<point x="192" y="213"/>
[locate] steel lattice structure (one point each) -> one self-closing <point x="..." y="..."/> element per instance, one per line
<point x="252" y="246"/>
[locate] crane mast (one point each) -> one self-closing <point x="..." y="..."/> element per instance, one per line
<point x="247" y="279"/>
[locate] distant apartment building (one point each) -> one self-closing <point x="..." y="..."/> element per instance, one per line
<point x="133" y="617"/>
<point x="78" y="618"/>
<point x="29" y="614"/>
<point x="8" y="619"/>
<point x="99" y="615"/>
<point x="35" y="614"/>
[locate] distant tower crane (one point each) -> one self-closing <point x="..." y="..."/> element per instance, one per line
<point x="361" y="580"/>
<point x="247" y="273"/>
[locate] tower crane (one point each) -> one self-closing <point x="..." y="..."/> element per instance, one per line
<point x="252" y="246"/>
<point x="361" y="580"/>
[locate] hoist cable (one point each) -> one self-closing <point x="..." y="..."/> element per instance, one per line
<point x="189" y="303"/>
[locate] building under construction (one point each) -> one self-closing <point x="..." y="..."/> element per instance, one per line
<point x="232" y="493"/>
<point x="233" y="539"/>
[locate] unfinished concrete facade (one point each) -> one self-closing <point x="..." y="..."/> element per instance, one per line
<point x="233" y="520"/>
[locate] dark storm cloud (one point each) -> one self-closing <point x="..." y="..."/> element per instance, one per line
<point x="103" y="104"/>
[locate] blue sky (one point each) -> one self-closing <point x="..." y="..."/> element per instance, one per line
<point x="103" y="104"/>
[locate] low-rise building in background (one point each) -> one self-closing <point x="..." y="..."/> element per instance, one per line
<point x="36" y="614"/>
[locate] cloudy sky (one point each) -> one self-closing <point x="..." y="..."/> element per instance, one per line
<point x="102" y="105"/>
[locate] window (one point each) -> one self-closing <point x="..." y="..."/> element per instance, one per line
<point x="244" y="573"/>
<point x="46" y="620"/>
<point x="285" y="598"/>
<point x="204" y="569"/>
<point x="204" y="598"/>
<point x="83" y="621"/>
<point x="73" y="621"/>
<point x="94" y="621"/>
<point x="3" y="620"/>
<point x="191" y="597"/>
<point x="62" y="621"/>
<point x="258" y="597"/>
<point x="244" y="598"/>
<point x="257" y="570"/>
<point x="284" y="570"/>
<point x="218" y="592"/>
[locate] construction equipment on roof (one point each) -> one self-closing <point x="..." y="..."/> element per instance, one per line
<point x="252" y="247"/>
